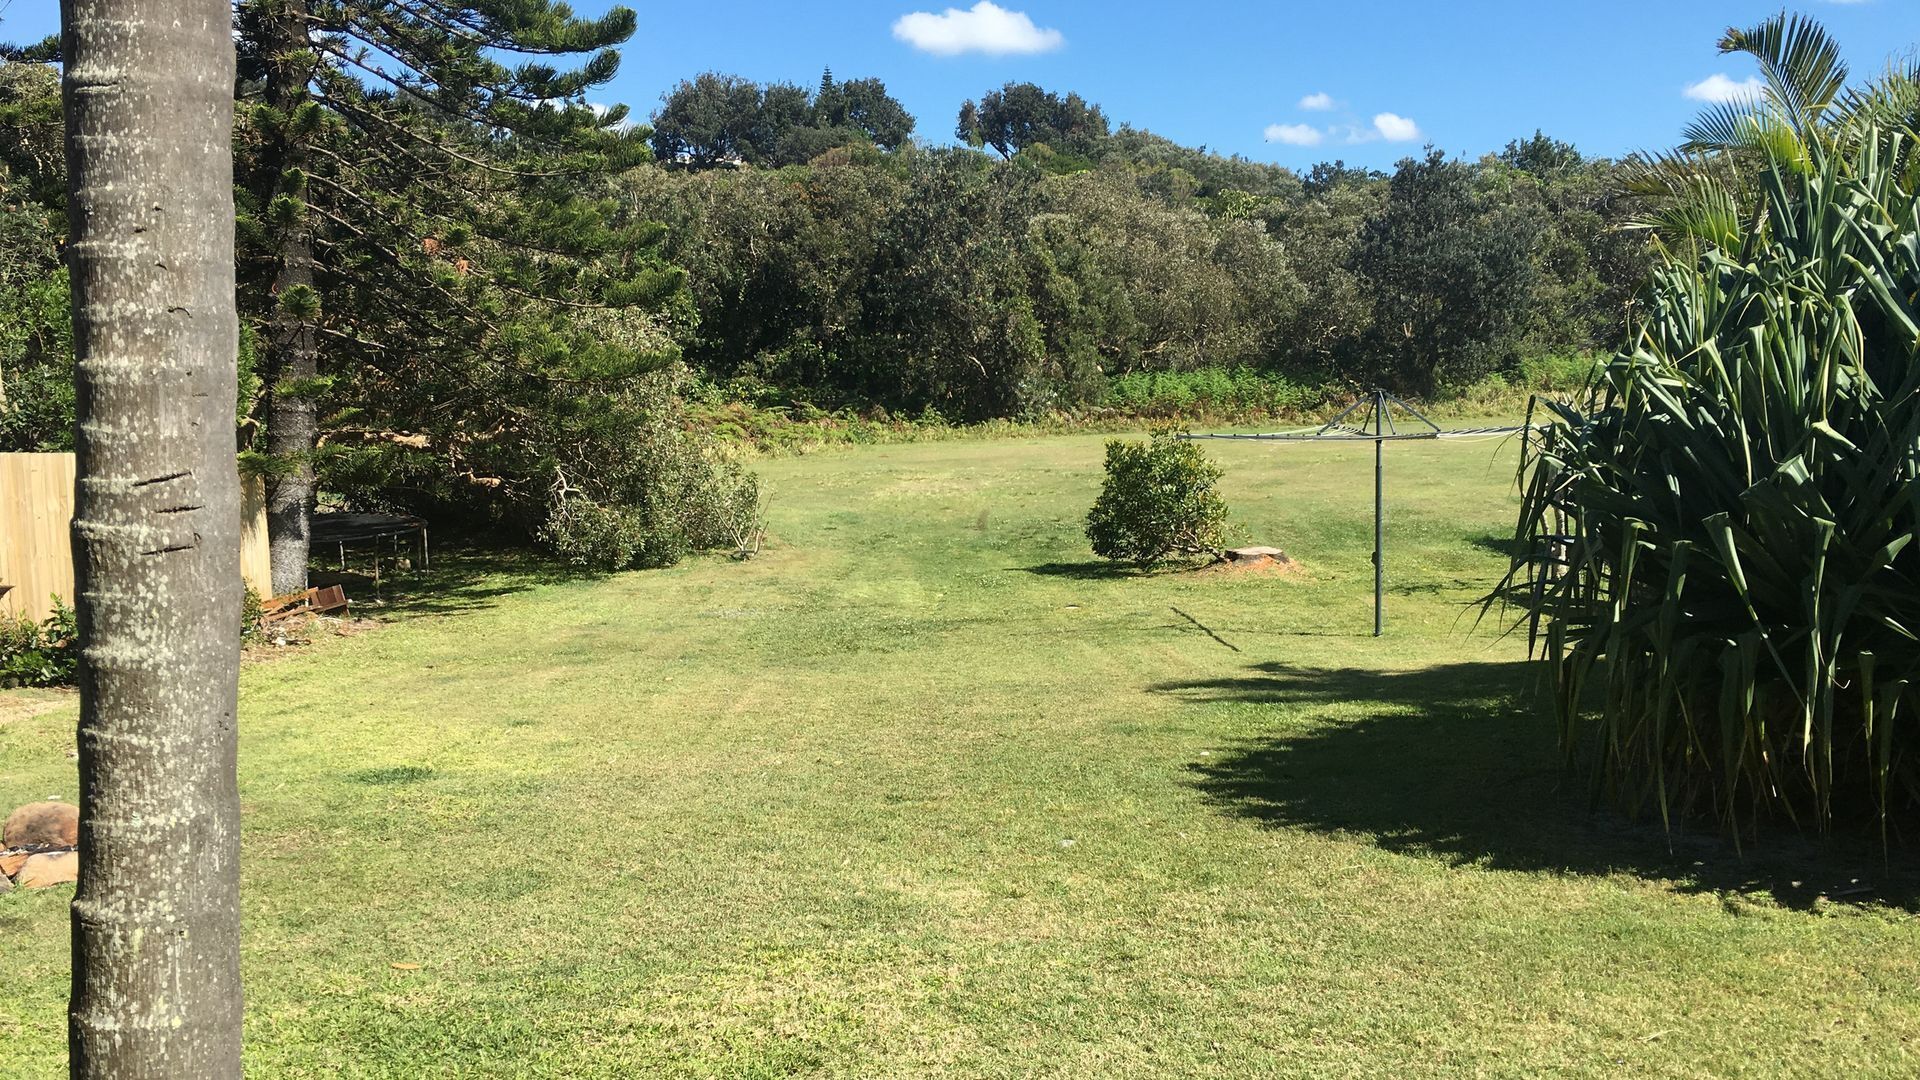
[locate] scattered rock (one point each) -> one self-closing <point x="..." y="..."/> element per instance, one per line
<point x="45" y="870"/>
<point x="42" y="824"/>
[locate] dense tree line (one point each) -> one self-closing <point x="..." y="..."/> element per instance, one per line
<point x="36" y="333"/>
<point x="716" y="119"/>
<point x="1021" y="115"/>
<point x="980" y="284"/>
<point x="466" y="289"/>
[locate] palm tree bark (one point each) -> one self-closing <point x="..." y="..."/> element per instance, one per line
<point x="148" y="94"/>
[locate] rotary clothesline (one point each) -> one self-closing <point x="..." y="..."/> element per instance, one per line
<point x="1375" y="410"/>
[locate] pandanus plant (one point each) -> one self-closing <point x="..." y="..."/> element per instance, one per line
<point x="1716" y="545"/>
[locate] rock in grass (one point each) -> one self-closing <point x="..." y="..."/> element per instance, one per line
<point x="49" y="868"/>
<point x="12" y="861"/>
<point x="42" y="824"/>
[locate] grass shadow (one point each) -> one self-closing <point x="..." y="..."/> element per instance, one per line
<point x="390" y="775"/>
<point x="1501" y="544"/>
<point x="1455" y="761"/>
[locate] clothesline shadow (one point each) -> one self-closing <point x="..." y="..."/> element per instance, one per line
<point x="1460" y="762"/>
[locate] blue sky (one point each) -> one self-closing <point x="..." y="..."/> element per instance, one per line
<point x="1240" y="76"/>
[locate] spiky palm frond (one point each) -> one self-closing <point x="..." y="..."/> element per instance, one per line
<point x="1800" y="62"/>
<point x="1689" y="201"/>
<point x="1719" y="548"/>
<point x="1891" y="102"/>
<point x="1729" y="126"/>
<point x="1804" y="103"/>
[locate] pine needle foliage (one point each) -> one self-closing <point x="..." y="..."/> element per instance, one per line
<point x="427" y="221"/>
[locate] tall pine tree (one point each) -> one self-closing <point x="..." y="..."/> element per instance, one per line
<point x="428" y="244"/>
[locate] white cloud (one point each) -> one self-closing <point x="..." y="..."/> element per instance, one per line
<point x="985" y="27"/>
<point x="1395" y="128"/>
<point x="1385" y="127"/>
<point x="1718" y="88"/>
<point x="1294" y="134"/>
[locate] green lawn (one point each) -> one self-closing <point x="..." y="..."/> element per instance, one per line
<point x="923" y="792"/>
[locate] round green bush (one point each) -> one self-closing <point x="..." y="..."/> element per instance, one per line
<point x="1158" y="503"/>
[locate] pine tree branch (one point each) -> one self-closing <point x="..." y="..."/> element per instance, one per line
<point x="486" y="276"/>
<point x="503" y="43"/>
<point x="348" y="107"/>
<point x="398" y="260"/>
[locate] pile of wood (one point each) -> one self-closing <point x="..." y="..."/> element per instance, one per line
<point x="42" y="846"/>
<point x="320" y="601"/>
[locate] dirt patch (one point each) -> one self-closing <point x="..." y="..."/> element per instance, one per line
<point x="291" y="637"/>
<point x="18" y="705"/>
<point x="1283" y="566"/>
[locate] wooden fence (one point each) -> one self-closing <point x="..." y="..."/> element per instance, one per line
<point x="36" y="550"/>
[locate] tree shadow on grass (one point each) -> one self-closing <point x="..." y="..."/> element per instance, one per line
<point x="461" y="579"/>
<point x="1456" y="761"/>
<point x="1501" y="544"/>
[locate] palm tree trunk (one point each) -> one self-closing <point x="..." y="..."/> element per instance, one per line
<point x="148" y="94"/>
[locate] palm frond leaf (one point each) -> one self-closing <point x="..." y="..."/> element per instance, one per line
<point x="1800" y="62"/>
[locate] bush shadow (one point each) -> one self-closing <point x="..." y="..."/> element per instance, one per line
<point x="1460" y="762"/>
<point x="1106" y="569"/>
<point x="1091" y="570"/>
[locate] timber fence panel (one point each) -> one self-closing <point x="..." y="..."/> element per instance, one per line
<point x="255" y="555"/>
<point x="36" y="546"/>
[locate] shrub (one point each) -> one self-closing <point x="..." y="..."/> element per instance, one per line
<point x="1719" y="555"/>
<point x="1158" y="502"/>
<point x="1209" y="392"/>
<point x="39" y="654"/>
<point x="252" y="609"/>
